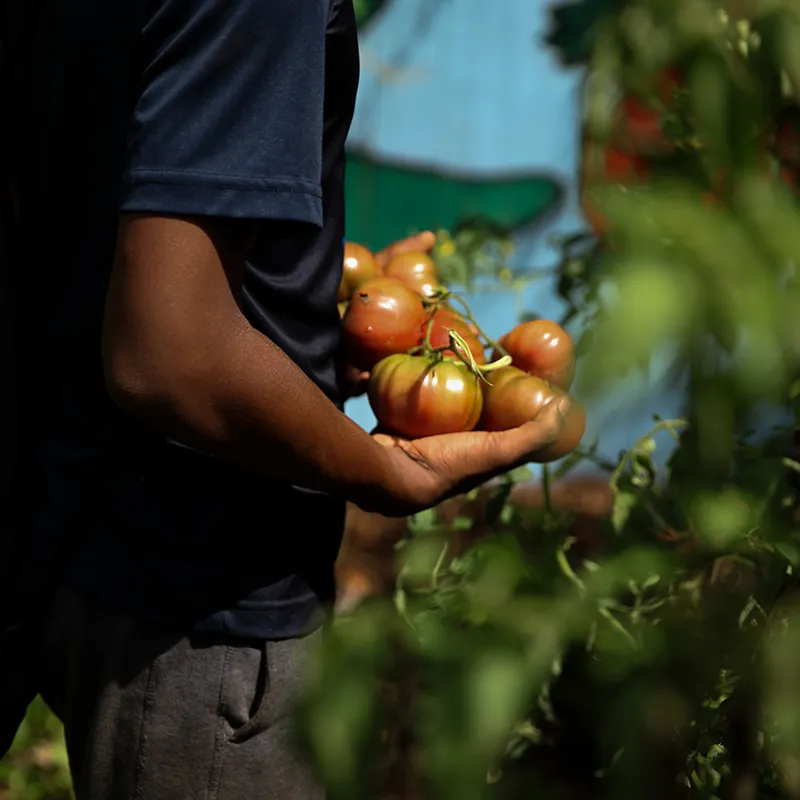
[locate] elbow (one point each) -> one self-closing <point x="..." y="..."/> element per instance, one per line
<point x="134" y="389"/>
<point x="147" y="388"/>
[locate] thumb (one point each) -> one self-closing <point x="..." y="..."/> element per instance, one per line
<point x="520" y="445"/>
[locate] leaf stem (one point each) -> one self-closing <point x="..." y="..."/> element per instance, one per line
<point x="670" y="425"/>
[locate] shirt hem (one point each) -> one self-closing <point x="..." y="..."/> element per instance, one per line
<point x="200" y="194"/>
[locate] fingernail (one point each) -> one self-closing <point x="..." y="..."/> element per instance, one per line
<point x="563" y="404"/>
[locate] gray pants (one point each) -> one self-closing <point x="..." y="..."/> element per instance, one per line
<point x="152" y="716"/>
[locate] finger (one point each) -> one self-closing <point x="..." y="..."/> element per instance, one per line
<point x="421" y="241"/>
<point x="354" y="380"/>
<point x="520" y="445"/>
<point x="360" y="386"/>
<point x="502" y="451"/>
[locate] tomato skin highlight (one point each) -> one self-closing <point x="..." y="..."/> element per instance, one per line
<point x="359" y="266"/>
<point x="543" y="349"/>
<point x="383" y="318"/>
<point x="444" y="320"/>
<point x="415" y="269"/>
<point x="516" y="399"/>
<point x="415" y="396"/>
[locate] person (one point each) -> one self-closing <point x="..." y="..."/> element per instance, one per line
<point x="187" y="458"/>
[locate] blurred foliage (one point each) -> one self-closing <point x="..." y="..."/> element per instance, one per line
<point x="660" y="657"/>
<point x="36" y="768"/>
<point x="475" y="249"/>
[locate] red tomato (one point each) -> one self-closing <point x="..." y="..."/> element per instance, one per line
<point x="383" y="318"/>
<point x="359" y="267"/>
<point x="500" y="376"/>
<point x="415" y="269"/>
<point x="518" y="399"/>
<point x="639" y="128"/>
<point x="604" y="165"/>
<point x="444" y="320"/>
<point x="627" y="158"/>
<point x="542" y="348"/>
<point x="415" y="396"/>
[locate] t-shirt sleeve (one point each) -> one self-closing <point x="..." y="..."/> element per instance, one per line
<point x="228" y="113"/>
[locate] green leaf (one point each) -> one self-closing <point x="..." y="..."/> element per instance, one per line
<point x="624" y="502"/>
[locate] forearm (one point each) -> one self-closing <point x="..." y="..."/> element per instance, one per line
<point x="239" y="398"/>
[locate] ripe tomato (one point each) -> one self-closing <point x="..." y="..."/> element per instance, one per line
<point x="415" y="269"/>
<point x="631" y="151"/>
<point x="544" y="349"/>
<point x="500" y="376"/>
<point x="639" y="127"/>
<point x="444" y="320"/>
<point x="415" y="396"/>
<point x="359" y="266"/>
<point x="517" y="399"/>
<point x="383" y="318"/>
<point x="605" y="165"/>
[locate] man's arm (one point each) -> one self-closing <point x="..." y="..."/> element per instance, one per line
<point x="180" y="356"/>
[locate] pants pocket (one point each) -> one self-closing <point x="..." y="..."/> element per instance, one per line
<point x="245" y="690"/>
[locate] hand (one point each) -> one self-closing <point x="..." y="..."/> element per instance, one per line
<point x="355" y="381"/>
<point x="428" y="471"/>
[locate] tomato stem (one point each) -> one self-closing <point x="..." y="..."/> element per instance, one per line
<point x="467" y="312"/>
<point x="429" y="329"/>
<point x="501" y="363"/>
<point x="461" y="349"/>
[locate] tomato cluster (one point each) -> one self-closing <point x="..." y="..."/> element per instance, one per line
<point x="427" y="357"/>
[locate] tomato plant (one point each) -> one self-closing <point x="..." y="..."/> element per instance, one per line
<point x="416" y="396"/>
<point x="416" y="270"/>
<point x="359" y="267"/>
<point x="543" y="349"/>
<point x="383" y="318"/>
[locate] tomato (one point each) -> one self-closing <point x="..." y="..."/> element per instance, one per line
<point x="359" y="266"/>
<point x="444" y="320"/>
<point x="518" y="399"/>
<point x="544" y="349"/>
<point x="500" y="376"/>
<point x="631" y="151"/>
<point x="415" y="269"/>
<point x="639" y="128"/>
<point x="416" y="396"/>
<point x="603" y="165"/>
<point x="383" y="318"/>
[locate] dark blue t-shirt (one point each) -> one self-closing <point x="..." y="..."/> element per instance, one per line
<point x="228" y="108"/>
